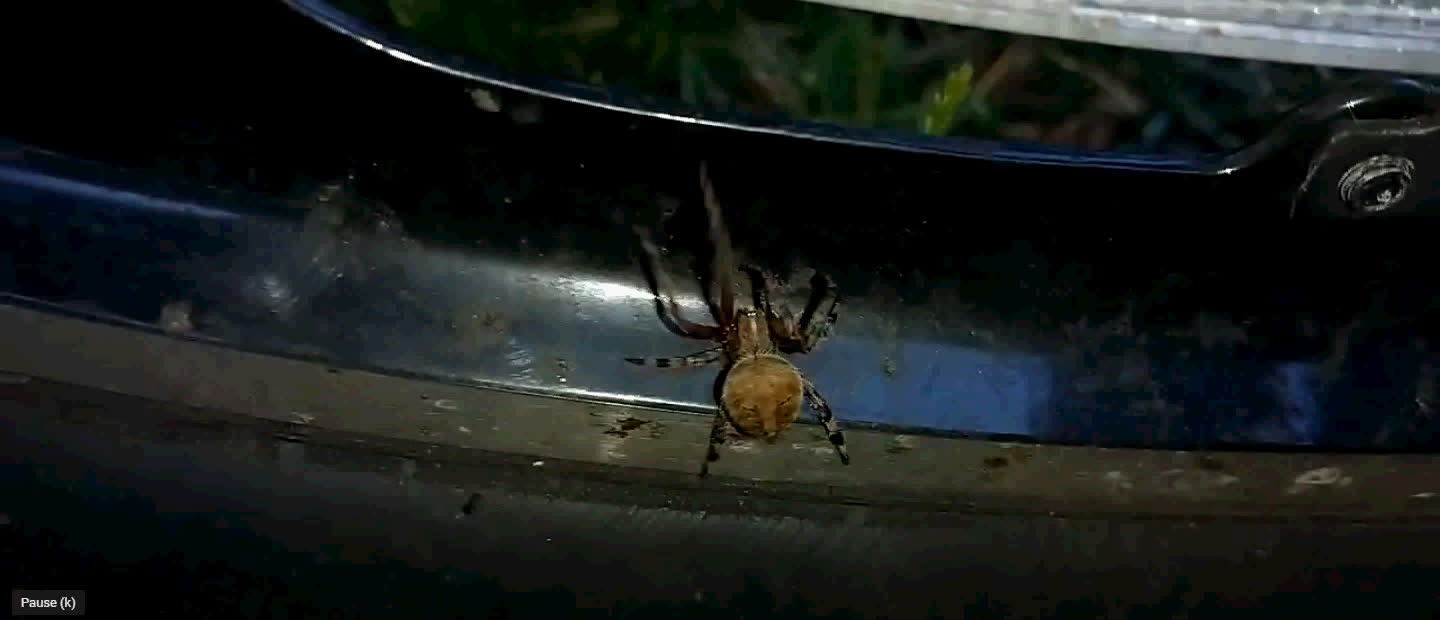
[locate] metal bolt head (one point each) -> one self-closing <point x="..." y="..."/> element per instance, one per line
<point x="1376" y="184"/>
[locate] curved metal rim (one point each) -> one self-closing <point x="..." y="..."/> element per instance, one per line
<point x="1358" y="94"/>
<point x="577" y="93"/>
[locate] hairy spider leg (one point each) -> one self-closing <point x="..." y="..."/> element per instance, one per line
<point x="796" y="336"/>
<point x="712" y="447"/>
<point x="664" y="292"/>
<point x="824" y="294"/>
<point x="722" y="263"/>
<point x="700" y="358"/>
<point x="827" y="419"/>
<point x="780" y="321"/>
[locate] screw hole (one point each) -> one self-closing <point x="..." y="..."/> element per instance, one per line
<point x="1376" y="184"/>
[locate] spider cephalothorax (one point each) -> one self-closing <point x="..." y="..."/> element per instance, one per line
<point x="761" y="391"/>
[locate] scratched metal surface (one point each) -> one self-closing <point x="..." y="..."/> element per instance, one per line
<point x="1109" y="299"/>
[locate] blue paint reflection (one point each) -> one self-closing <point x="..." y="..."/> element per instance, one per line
<point x="1298" y="385"/>
<point x="932" y="385"/>
<point x="1048" y="397"/>
<point x="25" y="185"/>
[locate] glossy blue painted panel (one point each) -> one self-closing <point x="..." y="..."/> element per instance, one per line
<point x="295" y="282"/>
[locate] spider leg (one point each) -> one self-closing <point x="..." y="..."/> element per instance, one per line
<point x="722" y="261"/>
<point x="664" y="291"/>
<point x="700" y="358"/>
<point x="781" y="321"/>
<point x="717" y="437"/>
<point x="825" y="300"/>
<point x="827" y="419"/>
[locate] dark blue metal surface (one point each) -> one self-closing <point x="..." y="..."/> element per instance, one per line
<point x="362" y="210"/>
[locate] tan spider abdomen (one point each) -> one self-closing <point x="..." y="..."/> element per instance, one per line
<point x="762" y="395"/>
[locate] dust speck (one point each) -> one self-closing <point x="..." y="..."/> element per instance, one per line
<point x="1319" y="477"/>
<point x="1020" y="454"/>
<point x="471" y="504"/>
<point x="538" y="464"/>
<point x="1194" y="480"/>
<point x="480" y="330"/>
<point x="624" y="426"/>
<point x="995" y="462"/>
<point x="485" y="100"/>
<point x="175" y="318"/>
<point x="748" y="446"/>
<point x="824" y="451"/>
<point x="463" y="429"/>
<point x="899" y="444"/>
<point x="1210" y="463"/>
<point x="1119" y="481"/>
<point x="611" y="447"/>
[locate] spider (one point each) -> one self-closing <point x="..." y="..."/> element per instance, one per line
<point x="760" y="391"/>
